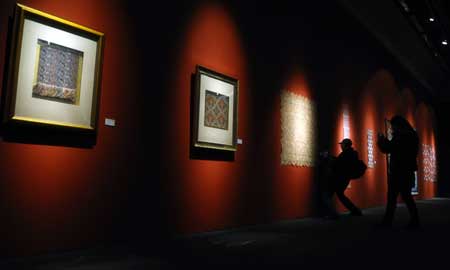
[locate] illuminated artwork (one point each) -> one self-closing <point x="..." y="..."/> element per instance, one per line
<point x="216" y="110"/>
<point x="346" y="117"/>
<point x="55" y="72"/>
<point x="58" y="72"/>
<point x="429" y="163"/>
<point x="370" y="159"/>
<point x="298" y="143"/>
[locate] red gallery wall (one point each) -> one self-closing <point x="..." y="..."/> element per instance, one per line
<point x="204" y="192"/>
<point x="58" y="198"/>
<point x="292" y="185"/>
<point x="368" y="107"/>
<point x="254" y="187"/>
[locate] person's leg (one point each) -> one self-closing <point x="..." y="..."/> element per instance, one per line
<point x="354" y="210"/>
<point x="391" y="204"/>
<point x="330" y="210"/>
<point x="412" y="208"/>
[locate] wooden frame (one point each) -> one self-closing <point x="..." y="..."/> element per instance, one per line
<point x="54" y="72"/>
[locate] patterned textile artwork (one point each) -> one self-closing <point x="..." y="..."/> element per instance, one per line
<point x="370" y="157"/>
<point x="429" y="163"/>
<point x="58" y="73"/>
<point x="389" y="130"/>
<point x="298" y="141"/>
<point x="216" y="110"/>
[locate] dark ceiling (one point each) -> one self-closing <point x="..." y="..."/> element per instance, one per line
<point x="404" y="28"/>
<point x="430" y="19"/>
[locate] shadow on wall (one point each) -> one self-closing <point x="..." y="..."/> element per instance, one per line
<point x="54" y="136"/>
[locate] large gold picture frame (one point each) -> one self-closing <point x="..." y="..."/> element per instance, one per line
<point x="54" y="72"/>
<point x="215" y="110"/>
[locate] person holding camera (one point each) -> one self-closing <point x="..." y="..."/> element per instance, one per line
<point x="343" y="169"/>
<point x="403" y="149"/>
<point x="339" y="171"/>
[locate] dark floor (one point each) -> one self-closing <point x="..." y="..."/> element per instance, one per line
<point x="312" y="243"/>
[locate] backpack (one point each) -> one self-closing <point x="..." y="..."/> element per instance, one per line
<point x="358" y="170"/>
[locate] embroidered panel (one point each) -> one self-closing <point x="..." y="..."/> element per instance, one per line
<point x="217" y="107"/>
<point x="58" y="73"/>
<point x="298" y="141"/>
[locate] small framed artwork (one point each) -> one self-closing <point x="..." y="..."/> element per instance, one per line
<point x="54" y="72"/>
<point x="215" y="111"/>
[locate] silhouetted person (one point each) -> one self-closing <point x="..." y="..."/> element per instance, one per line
<point x="403" y="149"/>
<point x="340" y="173"/>
<point x="326" y="184"/>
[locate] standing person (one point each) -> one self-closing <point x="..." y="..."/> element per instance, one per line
<point x="403" y="149"/>
<point x="342" y="171"/>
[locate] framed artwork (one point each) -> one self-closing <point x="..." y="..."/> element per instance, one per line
<point x="54" y="72"/>
<point x="215" y="112"/>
